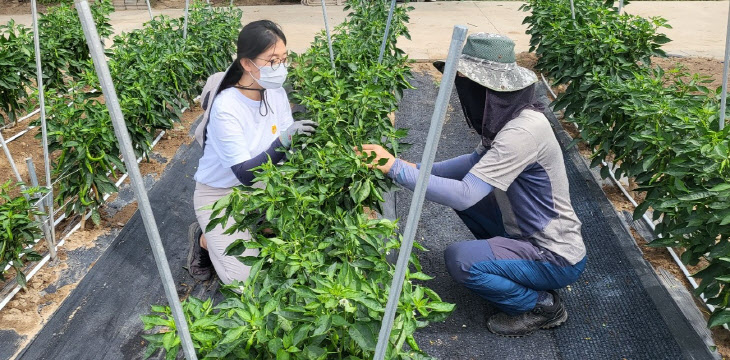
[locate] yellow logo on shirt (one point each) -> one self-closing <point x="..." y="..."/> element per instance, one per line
<point x="273" y="129"/>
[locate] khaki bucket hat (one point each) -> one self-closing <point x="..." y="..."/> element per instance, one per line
<point x="489" y="60"/>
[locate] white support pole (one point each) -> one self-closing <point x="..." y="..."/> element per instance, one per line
<point x="329" y="37"/>
<point x="125" y="144"/>
<point x="725" y="64"/>
<point x="620" y="6"/>
<point x="149" y="9"/>
<point x="46" y="224"/>
<point x="387" y="31"/>
<point x="185" y="24"/>
<point x="419" y="193"/>
<point x="572" y="9"/>
<point x="10" y="158"/>
<point x="44" y="128"/>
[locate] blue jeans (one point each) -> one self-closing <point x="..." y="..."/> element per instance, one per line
<point x="506" y="272"/>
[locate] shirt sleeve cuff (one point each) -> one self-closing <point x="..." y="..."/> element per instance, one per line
<point x="396" y="169"/>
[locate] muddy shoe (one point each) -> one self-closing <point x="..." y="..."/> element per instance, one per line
<point x="199" y="265"/>
<point x="541" y="317"/>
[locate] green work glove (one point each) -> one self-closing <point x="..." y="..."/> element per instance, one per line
<point x="301" y="127"/>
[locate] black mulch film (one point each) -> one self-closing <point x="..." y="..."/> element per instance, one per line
<point x="612" y="308"/>
<point x="611" y="313"/>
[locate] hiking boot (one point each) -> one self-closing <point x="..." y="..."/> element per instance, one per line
<point x="199" y="265"/>
<point x="541" y="317"/>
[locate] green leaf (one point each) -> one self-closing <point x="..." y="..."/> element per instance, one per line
<point x="640" y="210"/>
<point x="364" y="192"/>
<point x="441" y="306"/>
<point x="719" y="317"/>
<point x="720" y="187"/>
<point x="168" y="340"/>
<point x="695" y="196"/>
<point x="420" y="276"/>
<point x="314" y="352"/>
<point x="150" y="321"/>
<point x="364" y="335"/>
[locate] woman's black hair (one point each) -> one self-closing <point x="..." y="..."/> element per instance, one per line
<point x="254" y="39"/>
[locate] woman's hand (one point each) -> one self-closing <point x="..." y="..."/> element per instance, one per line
<point x="301" y="127"/>
<point x="380" y="154"/>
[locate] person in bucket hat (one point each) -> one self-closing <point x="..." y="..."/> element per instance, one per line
<point x="511" y="192"/>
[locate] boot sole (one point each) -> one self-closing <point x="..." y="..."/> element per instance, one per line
<point x="191" y="239"/>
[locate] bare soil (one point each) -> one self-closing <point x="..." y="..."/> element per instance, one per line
<point x="694" y="65"/>
<point x="15" y="7"/>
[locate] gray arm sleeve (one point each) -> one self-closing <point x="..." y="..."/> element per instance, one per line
<point x="457" y="194"/>
<point x="455" y="168"/>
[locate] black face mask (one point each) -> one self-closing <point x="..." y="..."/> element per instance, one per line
<point x="472" y="97"/>
<point x="487" y="111"/>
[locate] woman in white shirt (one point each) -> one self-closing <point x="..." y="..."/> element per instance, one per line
<point x="249" y="117"/>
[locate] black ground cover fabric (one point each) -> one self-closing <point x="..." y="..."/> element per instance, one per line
<point x="101" y="318"/>
<point x="612" y="308"/>
<point x="611" y="314"/>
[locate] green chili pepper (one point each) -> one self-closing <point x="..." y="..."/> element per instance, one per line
<point x="98" y="158"/>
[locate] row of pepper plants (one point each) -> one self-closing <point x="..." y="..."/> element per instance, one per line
<point x="63" y="51"/>
<point x="657" y="126"/>
<point x="319" y="286"/>
<point x="65" y="57"/>
<point x="156" y="74"/>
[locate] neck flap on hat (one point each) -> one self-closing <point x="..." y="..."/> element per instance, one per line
<point x="488" y="111"/>
<point x="501" y="107"/>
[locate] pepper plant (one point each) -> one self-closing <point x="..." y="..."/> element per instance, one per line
<point x="80" y="128"/>
<point x="64" y="52"/>
<point x="19" y="229"/>
<point x="158" y="73"/>
<point x="598" y="41"/>
<point x="319" y="285"/>
<point x="153" y="69"/>
<point x="16" y="50"/>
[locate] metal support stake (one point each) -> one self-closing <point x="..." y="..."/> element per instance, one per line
<point x="10" y="158"/>
<point x="45" y="223"/>
<point x="419" y="193"/>
<point x="149" y="9"/>
<point x="572" y="9"/>
<point x="125" y="144"/>
<point x="44" y="128"/>
<point x="387" y="31"/>
<point x="329" y="37"/>
<point x="620" y="6"/>
<point x="723" y="102"/>
<point x="185" y="23"/>
<point x="51" y="249"/>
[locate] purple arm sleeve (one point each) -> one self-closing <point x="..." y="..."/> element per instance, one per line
<point x="455" y="168"/>
<point x="457" y="194"/>
<point x="243" y="170"/>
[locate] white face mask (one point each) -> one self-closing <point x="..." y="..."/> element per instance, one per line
<point x="270" y="78"/>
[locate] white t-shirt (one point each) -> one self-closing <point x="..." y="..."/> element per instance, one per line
<point x="237" y="132"/>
